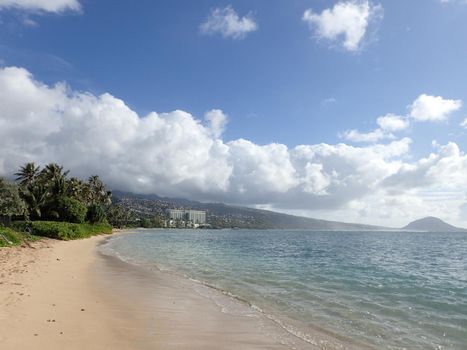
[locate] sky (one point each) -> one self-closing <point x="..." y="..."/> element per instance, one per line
<point x="348" y="110"/>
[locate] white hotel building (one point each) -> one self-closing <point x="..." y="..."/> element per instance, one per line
<point x="196" y="217"/>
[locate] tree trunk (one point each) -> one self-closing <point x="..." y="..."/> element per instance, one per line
<point x="5" y="220"/>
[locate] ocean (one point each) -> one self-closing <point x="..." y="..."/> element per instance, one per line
<point x="389" y="290"/>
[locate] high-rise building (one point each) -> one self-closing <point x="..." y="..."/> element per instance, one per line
<point x="196" y="216"/>
<point x="193" y="216"/>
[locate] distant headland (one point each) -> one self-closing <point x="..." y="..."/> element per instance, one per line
<point x="432" y="224"/>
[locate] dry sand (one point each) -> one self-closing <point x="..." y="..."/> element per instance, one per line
<point x="65" y="295"/>
<point x="48" y="300"/>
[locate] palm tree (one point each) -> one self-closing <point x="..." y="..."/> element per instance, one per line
<point x="44" y="190"/>
<point x="54" y="179"/>
<point x="75" y="188"/>
<point x="58" y="187"/>
<point x="119" y="216"/>
<point x="98" y="192"/>
<point x="53" y="172"/>
<point x="36" y="198"/>
<point x="27" y="174"/>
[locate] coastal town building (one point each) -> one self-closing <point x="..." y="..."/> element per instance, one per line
<point x="185" y="218"/>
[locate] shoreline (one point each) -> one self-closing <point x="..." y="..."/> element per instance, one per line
<point x="69" y="295"/>
<point x="287" y="332"/>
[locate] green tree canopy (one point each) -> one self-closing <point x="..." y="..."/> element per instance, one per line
<point x="50" y="194"/>
<point x="11" y="203"/>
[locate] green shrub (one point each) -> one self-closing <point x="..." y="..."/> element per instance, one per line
<point x="65" y="230"/>
<point x="146" y="223"/>
<point x="71" y="210"/>
<point x="21" y="226"/>
<point x="96" y="214"/>
<point x="10" y="237"/>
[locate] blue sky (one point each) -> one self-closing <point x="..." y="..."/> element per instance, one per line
<point x="278" y="78"/>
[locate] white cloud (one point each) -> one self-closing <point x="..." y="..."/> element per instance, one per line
<point x="371" y="137"/>
<point x="424" y="108"/>
<point x="347" y="22"/>
<point x="387" y="124"/>
<point x="101" y="133"/>
<point x="170" y="153"/>
<point x="42" y="5"/>
<point x="260" y="170"/>
<point x="328" y="101"/>
<point x="392" y="122"/>
<point x="217" y="120"/>
<point x="464" y="123"/>
<point x="228" y="23"/>
<point x="433" y="108"/>
<point x="316" y="180"/>
<point x="437" y="181"/>
<point x="454" y="2"/>
<point x="176" y="154"/>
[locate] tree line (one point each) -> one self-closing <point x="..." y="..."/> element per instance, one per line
<point x="49" y="194"/>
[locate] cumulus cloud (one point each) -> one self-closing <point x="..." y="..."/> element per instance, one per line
<point x="169" y="153"/>
<point x="101" y="133"/>
<point x="217" y="120"/>
<point x="346" y="22"/>
<point x="424" y="108"/>
<point x="392" y="122"/>
<point x="433" y="108"/>
<point x="445" y="169"/>
<point x="226" y="22"/>
<point x="372" y="136"/>
<point x="177" y="154"/>
<point x="55" y="6"/>
<point x="261" y="169"/>
<point x="464" y="123"/>
<point x="387" y="124"/>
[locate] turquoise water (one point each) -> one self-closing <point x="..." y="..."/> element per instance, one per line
<point x="392" y="290"/>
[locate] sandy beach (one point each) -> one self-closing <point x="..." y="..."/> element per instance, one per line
<point x="65" y="295"/>
<point x="48" y="300"/>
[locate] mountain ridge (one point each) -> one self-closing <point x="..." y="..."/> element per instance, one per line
<point x="223" y="215"/>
